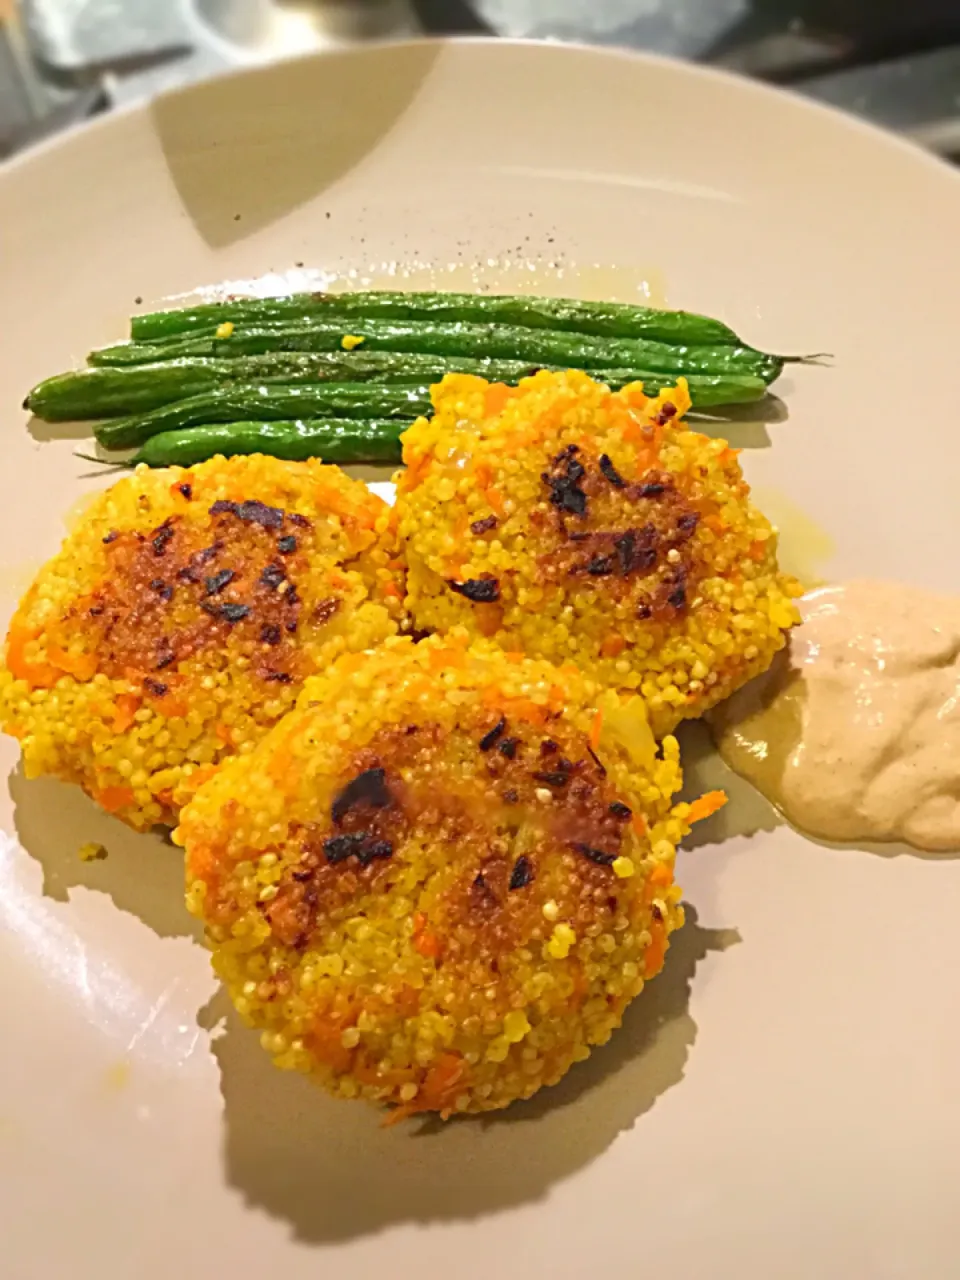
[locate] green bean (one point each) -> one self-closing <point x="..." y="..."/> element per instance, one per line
<point x="110" y="390"/>
<point x="603" y="319"/>
<point x="706" y="392"/>
<point x="107" y="391"/>
<point x="537" y="346"/>
<point x="266" y="404"/>
<point x="342" y="440"/>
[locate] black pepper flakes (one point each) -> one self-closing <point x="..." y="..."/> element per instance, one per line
<point x="215" y="584"/>
<point x="511" y="796"/>
<point x="678" y="596"/>
<point x="186" y="490"/>
<point x="287" y="544"/>
<point x="565" y="491"/>
<point x="232" y="612"/>
<point x="96" y="610"/>
<point x="508" y="748"/>
<point x="160" y="537"/>
<point x="598" y="856"/>
<point x="652" y="490"/>
<point x="656" y="912"/>
<point x="156" y="687"/>
<point x="522" y="873"/>
<point x="375" y="849"/>
<point x="600" y="566"/>
<point x="251" y="511"/>
<point x="337" y="848"/>
<point x="296" y="518"/>
<point x="273" y="575"/>
<point x="611" y="473"/>
<point x="621" y="810"/>
<point x="163" y="589"/>
<point x="490" y="739"/>
<point x="191" y="572"/>
<point x="278" y="677"/>
<point x="551" y="778"/>
<point x="477" y="590"/>
<point x="325" y="610"/>
<point x="480" y="527"/>
<point x="625" y="546"/>
<point x="270" y="633"/>
<point x="112" y="536"/>
<point x="367" y="788"/>
<point x="631" y="555"/>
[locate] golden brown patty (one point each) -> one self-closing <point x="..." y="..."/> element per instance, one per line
<point x="181" y="617"/>
<point x="576" y="524"/>
<point x="442" y="878"/>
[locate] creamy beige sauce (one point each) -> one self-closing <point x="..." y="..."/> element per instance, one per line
<point x="855" y="732"/>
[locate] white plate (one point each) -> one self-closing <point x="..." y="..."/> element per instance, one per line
<point x="783" y="1102"/>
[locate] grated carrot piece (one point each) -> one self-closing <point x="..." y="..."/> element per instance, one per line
<point x="707" y="804"/>
<point x="114" y="798"/>
<point x="36" y="673"/>
<point x="172" y="708"/>
<point x="324" y="1042"/>
<point x="489" y="619"/>
<point x="82" y="666"/>
<point x="497" y="395"/>
<point x="441" y="659"/>
<point x="595" y="730"/>
<point x="661" y="876"/>
<point x="634" y="396"/>
<point x="612" y="646"/>
<point x="125" y="709"/>
<point x="494" y="500"/>
<point x="200" y="776"/>
<point x="657" y="950"/>
<point x="425" y="941"/>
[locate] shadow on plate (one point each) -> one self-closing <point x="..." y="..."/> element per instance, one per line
<point x="333" y="1172"/>
<point x="743" y="426"/>
<point x="230" y="188"/>
<point x="142" y="873"/>
<point x="46" y="431"/>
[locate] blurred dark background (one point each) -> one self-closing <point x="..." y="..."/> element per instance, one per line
<point x="896" y="62"/>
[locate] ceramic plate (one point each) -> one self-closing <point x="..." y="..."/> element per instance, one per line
<point x="783" y="1101"/>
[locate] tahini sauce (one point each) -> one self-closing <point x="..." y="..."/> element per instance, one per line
<point x="855" y="732"/>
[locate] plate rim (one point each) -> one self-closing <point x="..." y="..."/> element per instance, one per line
<point x="854" y="124"/>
